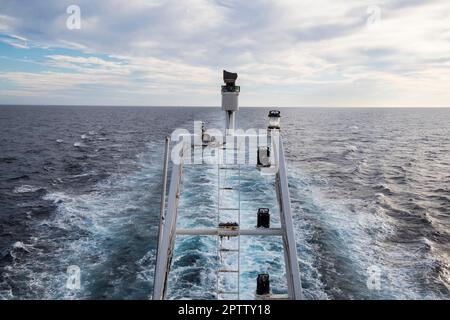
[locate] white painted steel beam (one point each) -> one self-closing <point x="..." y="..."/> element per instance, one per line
<point x="290" y="248"/>
<point x="167" y="234"/>
<point x="230" y="233"/>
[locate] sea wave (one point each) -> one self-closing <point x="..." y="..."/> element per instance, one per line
<point x="26" y="189"/>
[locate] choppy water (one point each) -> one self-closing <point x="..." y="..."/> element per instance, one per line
<point x="370" y="188"/>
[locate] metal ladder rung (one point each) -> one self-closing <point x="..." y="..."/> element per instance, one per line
<point x="231" y="149"/>
<point x="272" y="296"/>
<point x="228" y="250"/>
<point x="229" y="229"/>
<point x="227" y="271"/>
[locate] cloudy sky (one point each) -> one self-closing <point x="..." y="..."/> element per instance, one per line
<point x="344" y="53"/>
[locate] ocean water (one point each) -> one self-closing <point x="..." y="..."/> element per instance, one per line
<point x="80" y="186"/>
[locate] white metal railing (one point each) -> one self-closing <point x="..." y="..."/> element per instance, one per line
<point x="167" y="233"/>
<point x="168" y="230"/>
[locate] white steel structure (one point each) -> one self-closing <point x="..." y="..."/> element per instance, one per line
<point x="168" y="225"/>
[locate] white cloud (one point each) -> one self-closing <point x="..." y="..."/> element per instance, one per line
<point x="5" y="22"/>
<point x="15" y="43"/>
<point x="72" y="62"/>
<point x="310" y="52"/>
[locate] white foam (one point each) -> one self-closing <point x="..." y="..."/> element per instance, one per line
<point x="115" y="209"/>
<point x="79" y="145"/>
<point x="6" y="294"/>
<point x="21" y="245"/>
<point x="26" y="189"/>
<point x="361" y="232"/>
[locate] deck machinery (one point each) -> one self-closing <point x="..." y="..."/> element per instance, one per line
<point x="270" y="161"/>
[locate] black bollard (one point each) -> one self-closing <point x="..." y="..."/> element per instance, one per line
<point x="263" y="220"/>
<point x="263" y="284"/>
<point x="263" y="159"/>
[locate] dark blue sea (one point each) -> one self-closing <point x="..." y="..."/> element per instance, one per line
<point x="80" y="186"/>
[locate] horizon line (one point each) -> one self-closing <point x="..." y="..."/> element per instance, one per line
<point x="218" y="106"/>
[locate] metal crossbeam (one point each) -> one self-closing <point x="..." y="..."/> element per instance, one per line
<point x="230" y="233"/>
